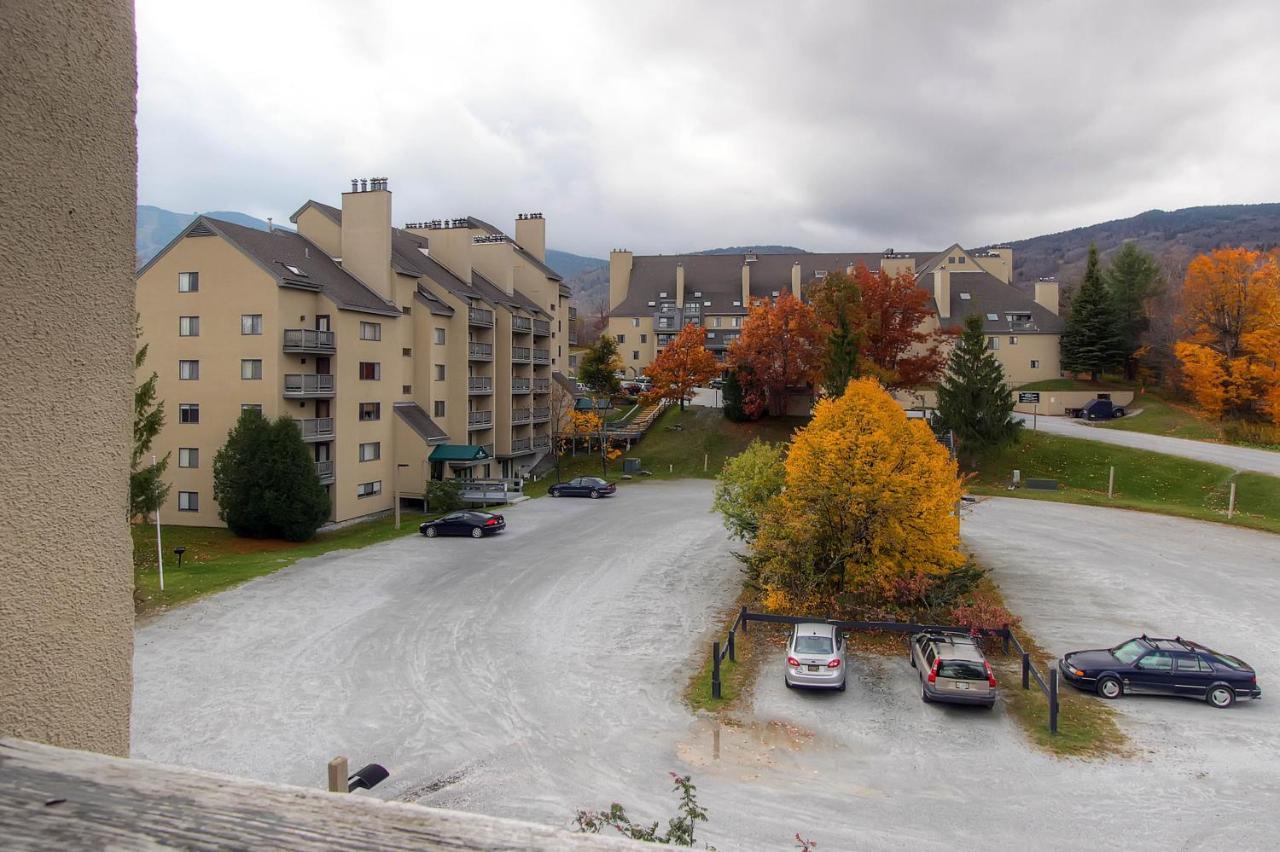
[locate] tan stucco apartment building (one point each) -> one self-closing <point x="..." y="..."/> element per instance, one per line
<point x="404" y="354"/>
<point x="652" y="297"/>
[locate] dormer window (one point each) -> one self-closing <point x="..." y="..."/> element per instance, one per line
<point x="964" y="297"/>
<point x="295" y="270"/>
<point x="820" y="274"/>
<point x="662" y="295"/>
<point x="993" y="317"/>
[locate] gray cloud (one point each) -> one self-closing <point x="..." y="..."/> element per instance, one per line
<point x="674" y="126"/>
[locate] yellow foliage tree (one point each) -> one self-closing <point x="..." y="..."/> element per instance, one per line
<point x="869" y="506"/>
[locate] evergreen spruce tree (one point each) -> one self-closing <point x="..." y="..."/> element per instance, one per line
<point x="147" y="490"/>
<point x="1132" y="277"/>
<point x="1091" y="340"/>
<point x="973" y="400"/>
<point x="265" y="481"/>
<point x="731" y="395"/>
<point x="843" y="345"/>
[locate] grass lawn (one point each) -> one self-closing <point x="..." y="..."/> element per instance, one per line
<point x="1147" y="481"/>
<point x="670" y="453"/>
<point x="217" y="559"/>
<point x="1160" y="417"/>
<point x="1104" y="383"/>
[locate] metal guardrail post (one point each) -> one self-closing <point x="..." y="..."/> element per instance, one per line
<point x="732" y="658"/>
<point x="1026" y="664"/>
<point x="742" y="619"/>
<point x="1053" y="700"/>
<point x="1006" y="634"/>
<point x="715" y="669"/>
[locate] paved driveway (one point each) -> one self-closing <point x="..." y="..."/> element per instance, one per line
<point x="1236" y="458"/>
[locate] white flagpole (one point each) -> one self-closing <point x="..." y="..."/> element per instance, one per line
<point x="159" y="549"/>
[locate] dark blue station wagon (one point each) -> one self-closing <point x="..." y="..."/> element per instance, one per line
<point x="1162" y="667"/>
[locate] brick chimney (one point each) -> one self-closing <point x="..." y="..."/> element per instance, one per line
<point x="942" y="292"/>
<point x="1047" y="294"/>
<point x="366" y="234"/>
<point x="531" y="234"/>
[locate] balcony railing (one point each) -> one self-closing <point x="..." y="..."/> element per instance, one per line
<point x="480" y="351"/>
<point x="521" y="445"/>
<point x="479" y="384"/>
<point x="542" y="327"/>
<point x="309" y="340"/>
<point x="316" y="428"/>
<point x="520" y="385"/>
<point x="521" y="415"/>
<point x="541" y="415"/>
<point x="542" y="386"/>
<point x="1022" y="325"/>
<point x="480" y="316"/>
<point x="522" y="325"/>
<point x="521" y="354"/>
<point x="541" y="442"/>
<point x="324" y="470"/>
<point x="542" y="356"/>
<point x="479" y="419"/>
<point x="308" y="385"/>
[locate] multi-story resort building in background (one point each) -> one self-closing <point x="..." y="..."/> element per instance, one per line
<point x="428" y="351"/>
<point x="651" y="297"/>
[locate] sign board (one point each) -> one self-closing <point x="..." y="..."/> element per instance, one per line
<point x="1028" y="397"/>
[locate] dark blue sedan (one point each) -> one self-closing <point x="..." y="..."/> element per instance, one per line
<point x="1162" y="667"/>
<point x="583" y="486"/>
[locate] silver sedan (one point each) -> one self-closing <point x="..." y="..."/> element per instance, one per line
<point x="815" y="657"/>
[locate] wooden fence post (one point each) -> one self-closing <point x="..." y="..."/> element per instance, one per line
<point x="1005" y="633"/>
<point x="1026" y="666"/>
<point x="742" y="619"/>
<point x="1111" y="482"/>
<point x="1053" y="700"/>
<point x="715" y="669"/>
<point x="1231" y="501"/>
<point x="338" y="775"/>
<point x="732" y="658"/>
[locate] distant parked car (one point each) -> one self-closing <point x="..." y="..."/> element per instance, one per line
<point x="716" y="384"/>
<point x="815" y="657"/>
<point x="1162" y="667"/>
<point x="474" y="524"/>
<point x="953" y="669"/>
<point x="583" y="486"/>
<point x="1100" y="409"/>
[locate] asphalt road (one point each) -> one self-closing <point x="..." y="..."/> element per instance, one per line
<point x="1227" y="455"/>
<point x="540" y="671"/>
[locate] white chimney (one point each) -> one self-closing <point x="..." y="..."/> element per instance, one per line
<point x="679" y="285"/>
<point x="1047" y="294"/>
<point x="795" y="279"/>
<point x="746" y="285"/>
<point x="942" y="292"/>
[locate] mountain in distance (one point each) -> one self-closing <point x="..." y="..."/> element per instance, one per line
<point x="157" y="227"/>
<point x="1174" y="237"/>
<point x="753" y="249"/>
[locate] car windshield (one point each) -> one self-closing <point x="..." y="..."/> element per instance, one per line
<point x="1129" y="651"/>
<point x="961" y="670"/>
<point x="813" y="645"/>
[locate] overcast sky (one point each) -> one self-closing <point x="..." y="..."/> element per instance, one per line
<point x="673" y="126"/>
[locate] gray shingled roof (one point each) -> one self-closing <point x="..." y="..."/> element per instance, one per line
<point x="421" y="423"/>
<point x="990" y="295"/>
<point x="332" y="212"/>
<point x="433" y="302"/>
<point x="277" y="250"/>
<point x="520" y="250"/>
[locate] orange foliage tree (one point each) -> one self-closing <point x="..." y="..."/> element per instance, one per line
<point x="781" y="346"/>
<point x="1229" y="345"/>
<point x="894" y="347"/>
<point x="868" y="508"/>
<point x="684" y="364"/>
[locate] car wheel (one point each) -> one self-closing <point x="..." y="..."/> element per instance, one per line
<point x="1110" y="687"/>
<point x="554" y="493"/>
<point x="912" y="658"/>
<point x="842" y="685"/>
<point x="430" y="532"/>
<point x="924" y="696"/>
<point x="1221" y="696"/>
<point x="476" y="532"/>
<point x="594" y="494"/>
<point x="787" y="683"/>
<point x="1119" y="412"/>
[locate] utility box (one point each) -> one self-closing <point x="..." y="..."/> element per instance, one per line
<point x="631" y="465"/>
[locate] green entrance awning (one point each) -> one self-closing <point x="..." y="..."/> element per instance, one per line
<point x="458" y="453"/>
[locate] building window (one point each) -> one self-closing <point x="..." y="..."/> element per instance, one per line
<point x="573" y="360"/>
<point x="251" y="368"/>
<point x="439" y="372"/>
<point x="644" y="338"/>
<point x="188" y="370"/>
<point x="406" y="352"/>
<point x="737" y="321"/>
<point x="622" y="338"/>
<point x="715" y="322"/>
<point x="1013" y="340"/>
<point x="371" y="451"/>
<point x="406" y="389"/>
<point x="635" y="322"/>
<point x="255" y="407"/>
<point x="251" y="323"/>
<point x="368" y="489"/>
<point x="188" y="457"/>
<point x="406" y="309"/>
<point x="635" y="355"/>
<point x="188" y="282"/>
<point x="437" y="408"/>
<point x="370" y="371"/>
<point x="370" y="411"/>
<point x="371" y="330"/>
<point x="439" y="337"/>
<point x="951" y="259"/>
<point x="960" y="259"/>
<point x="1035" y="365"/>
<point x="188" y="326"/>
<point x="188" y="501"/>
<point x="993" y="343"/>
<point x="711" y="334"/>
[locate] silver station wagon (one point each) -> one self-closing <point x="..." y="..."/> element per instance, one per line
<point x="952" y="669"/>
<point x="815" y="657"/>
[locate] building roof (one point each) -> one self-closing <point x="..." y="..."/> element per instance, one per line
<point x="990" y="296"/>
<point x="459" y="453"/>
<point x="433" y="302"/>
<point x="332" y="212"/>
<point x="482" y="225"/>
<point x="494" y="294"/>
<point x="565" y="382"/>
<point x="418" y="420"/>
<point x="718" y="277"/>
<point x="279" y="252"/>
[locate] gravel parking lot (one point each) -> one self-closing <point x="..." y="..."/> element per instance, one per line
<point x="540" y="671"/>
